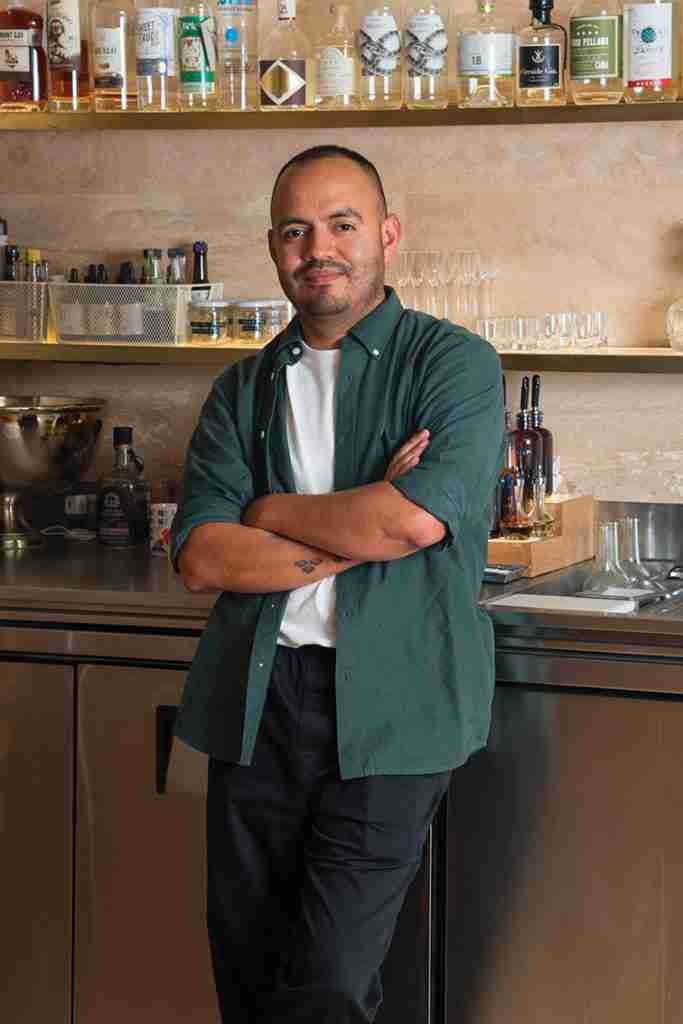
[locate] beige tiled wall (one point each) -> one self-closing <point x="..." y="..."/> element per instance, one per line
<point x="578" y="215"/>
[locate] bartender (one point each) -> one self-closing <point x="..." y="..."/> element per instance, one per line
<point x="336" y="498"/>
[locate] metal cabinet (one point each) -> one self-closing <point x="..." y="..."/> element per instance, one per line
<point x="566" y="863"/>
<point x="141" y="952"/>
<point x="36" y="839"/>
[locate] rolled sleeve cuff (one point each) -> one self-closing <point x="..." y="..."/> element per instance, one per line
<point x="180" y="534"/>
<point x="420" y="487"/>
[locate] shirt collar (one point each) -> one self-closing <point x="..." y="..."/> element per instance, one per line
<point x="373" y="332"/>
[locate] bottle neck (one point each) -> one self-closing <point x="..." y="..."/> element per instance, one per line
<point x="536" y="418"/>
<point x="199" y="273"/>
<point x="542" y="15"/>
<point x="524" y="419"/>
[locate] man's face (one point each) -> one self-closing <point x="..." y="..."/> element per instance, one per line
<point x="330" y="240"/>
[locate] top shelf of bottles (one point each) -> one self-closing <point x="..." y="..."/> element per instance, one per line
<point x="342" y="119"/>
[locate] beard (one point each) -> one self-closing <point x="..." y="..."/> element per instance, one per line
<point x="359" y="291"/>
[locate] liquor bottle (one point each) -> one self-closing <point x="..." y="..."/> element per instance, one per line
<point x="112" y="43"/>
<point x="286" y="78"/>
<point x="541" y="59"/>
<point x="379" y="51"/>
<point x="123" y="496"/>
<point x="201" y="287"/>
<point x="23" y="64"/>
<point x="425" y="64"/>
<point x="525" y="457"/>
<point x="596" y="52"/>
<point x="152" y="258"/>
<point x="336" y="65"/>
<point x="537" y="424"/>
<point x="486" y="60"/>
<point x="197" y="57"/>
<point x="155" y="55"/>
<point x="651" y="51"/>
<point x="90" y="274"/>
<point x="12" y="263"/>
<point x="67" y="55"/>
<point x="237" y="41"/>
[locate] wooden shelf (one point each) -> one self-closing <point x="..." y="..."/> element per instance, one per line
<point x="612" y="360"/>
<point x="342" y="119"/>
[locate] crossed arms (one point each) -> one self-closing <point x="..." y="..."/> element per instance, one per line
<point x="288" y="540"/>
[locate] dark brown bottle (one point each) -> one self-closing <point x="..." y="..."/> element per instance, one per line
<point x="524" y="455"/>
<point x="537" y="424"/>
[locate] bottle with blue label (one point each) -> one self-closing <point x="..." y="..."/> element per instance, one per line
<point x="237" y="39"/>
<point x="123" y="496"/>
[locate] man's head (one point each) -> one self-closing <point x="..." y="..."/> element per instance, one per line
<point x="331" y="237"/>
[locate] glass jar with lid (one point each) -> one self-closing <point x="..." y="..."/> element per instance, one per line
<point x="257" y="321"/>
<point x="209" y="322"/>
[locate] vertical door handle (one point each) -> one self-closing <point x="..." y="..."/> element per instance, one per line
<point x="165" y="720"/>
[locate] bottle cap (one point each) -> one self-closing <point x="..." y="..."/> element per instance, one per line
<point x="123" y="435"/>
<point x="541" y="5"/>
<point x="175" y="252"/>
<point x="73" y="275"/>
<point x="200" y="247"/>
<point x="33" y="255"/>
<point x="152" y="252"/>
<point x="12" y="252"/>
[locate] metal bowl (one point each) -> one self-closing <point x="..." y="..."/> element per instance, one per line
<point x="47" y="442"/>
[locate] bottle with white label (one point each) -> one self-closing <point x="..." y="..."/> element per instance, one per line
<point x="425" y="57"/>
<point x="66" y="32"/>
<point x="595" y="52"/>
<point x="155" y="55"/>
<point x="336" y="64"/>
<point x="237" y="42"/>
<point x="651" y="52"/>
<point x="379" y="50"/>
<point x="485" y="59"/>
<point x="112" y="50"/>
<point x="23" y="65"/>
<point x="197" y="57"/>
<point x="285" y="66"/>
<point x="542" y="59"/>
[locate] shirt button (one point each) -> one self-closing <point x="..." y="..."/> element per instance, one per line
<point x="262" y="434"/>
<point x="260" y="664"/>
<point x="375" y="353"/>
<point x="296" y="351"/>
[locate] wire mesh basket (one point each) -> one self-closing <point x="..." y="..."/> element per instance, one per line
<point x="135" y="314"/>
<point x="23" y="311"/>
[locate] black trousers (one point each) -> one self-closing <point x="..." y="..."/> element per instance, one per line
<point x="307" y="872"/>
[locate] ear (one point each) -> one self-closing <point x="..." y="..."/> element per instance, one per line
<point x="391" y="236"/>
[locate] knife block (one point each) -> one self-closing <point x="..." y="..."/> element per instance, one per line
<point x="574" y="540"/>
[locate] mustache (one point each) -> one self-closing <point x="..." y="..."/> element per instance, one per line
<point x="322" y="265"/>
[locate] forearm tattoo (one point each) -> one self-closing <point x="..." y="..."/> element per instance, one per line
<point x="308" y="565"/>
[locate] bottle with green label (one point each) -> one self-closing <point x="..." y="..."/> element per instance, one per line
<point x="542" y="59"/>
<point x="197" y="57"/>
<point x="651" y="51"/>
<point x="595" y="52"/>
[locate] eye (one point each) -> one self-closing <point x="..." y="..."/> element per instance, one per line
<point x="292" y="233"/>
<point x="345" y="226"/>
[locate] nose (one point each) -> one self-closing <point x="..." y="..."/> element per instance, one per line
<point x="319" y="244"/>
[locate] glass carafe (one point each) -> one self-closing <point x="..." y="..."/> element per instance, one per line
<point x="630" y="556"/>
<point x="608" y="572"/>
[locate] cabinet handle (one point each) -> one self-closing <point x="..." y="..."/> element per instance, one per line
<point x="165" y="720"/>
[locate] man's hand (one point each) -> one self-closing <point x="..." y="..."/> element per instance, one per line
<point x="407" y="456"/>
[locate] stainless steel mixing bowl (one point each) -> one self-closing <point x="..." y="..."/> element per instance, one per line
<point x="47" y="442"/>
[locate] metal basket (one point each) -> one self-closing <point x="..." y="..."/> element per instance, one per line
<point x="134" y="314"/>
<point x="23" y="311"/>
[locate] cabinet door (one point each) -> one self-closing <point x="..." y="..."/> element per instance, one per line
<point x="36" y="841"/>
<point x="141" y="948"/>
<point x="566" y="863"/>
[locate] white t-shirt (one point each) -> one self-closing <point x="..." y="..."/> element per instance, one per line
<point x="311" y="392"/>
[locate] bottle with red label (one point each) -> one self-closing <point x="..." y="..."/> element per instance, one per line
<point x="23" y="65"/>
<point x="651" y="51"/>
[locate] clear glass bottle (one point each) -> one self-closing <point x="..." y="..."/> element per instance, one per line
<point x="176" y="267"/>
<point x="596" y="52"/>
<point x="23" y="64"/>
<point x="112" y="48"/>
<point x="651" y="51"/>
<point x="286" y="72"/>
<point x="155" y="55"/>
<point x="537" y="424"/>
<point x="541" y="60"/>
<point x="379" y="50"/>
<point x="486" y="59"/>
<point x="66" y="31"/>
<point x="337" y="75"/>
<point x="237" y="41"/>
<point x="425" y="57"/>
<point x="197" y="57"/>
<point x="123" y="496"/>
<point x="608" y="573"/>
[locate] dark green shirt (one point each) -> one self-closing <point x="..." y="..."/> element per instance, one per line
<point x="414" y="666"/>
